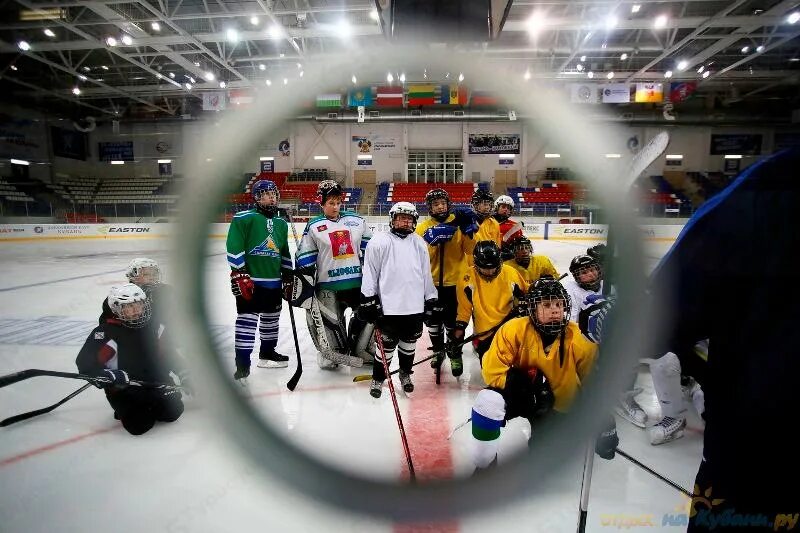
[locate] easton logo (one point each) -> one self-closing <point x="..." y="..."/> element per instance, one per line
<point x="584" y="231"/>
<point x="129" y="230"/>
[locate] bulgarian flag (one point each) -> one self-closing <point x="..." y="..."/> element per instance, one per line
<point x="329" y="100"/>
<point x="389" y="96"/>
<point x="421" y="95"/>
<point x="452" y="95"/>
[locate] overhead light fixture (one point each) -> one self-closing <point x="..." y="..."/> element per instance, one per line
<point x="49" y="32"/>
<point x="706" y="73"/>
<point x="282" y="55"/>
<point x="354" y="79"/>
<point x="660" y="21"/>
<point x="527" y="75"/>
<point x="389" y="77"/>
<point x="344" y="29"/>
<point x="668" y="74"/>
<point x="172" y="75"/>
<point x="20" y="162"/>
<point x="24" y="46"/>
<point x="188" y="86"/>
<point x="610" y="75"/>
<point x="286" y="81"/>
<point x="701" y="69"/>
<point x="118" y="162"/>
<point x="301" y="73"/>
<point x="111" y="41"/>
<point x="611" y="22"/>
<point x="793" y="17"/>
<point x="127" y="40"/>
<point x="87" y="69"/>
<point x="266" y="158"/>
<point x="745" y="49"/>
<point x="222" y="85"/>
<point x="254" y="21"/>
<point x="674" y="157"/>
<point x="209" y="76"/>
<point x="268" y="82"/>
<point x="232" y="35"/>
<point x="373" y="14"/>
<point x="794" y="59"/>
<point x="191" y="79"/>
<point x="262" y="66"/>
<point x="82" y="77"/>
<point x="98" y="79"/>
<point x="579" y="67"/>
<point x="583" y="59"/>
<point x="103" y="67"/>
<point x="162" y="161"/>
<point x="320" y="157"/>
<point x="364" y="157"/>
<point x="613" y="156"/>
<point x="275" y="32"/>
<point x="506" y="156"/>
<point x="402" y="77"/>
<point x="590" y="74"/>
<point x="155" y="26"/>
<point x="552" y="156"/>
<point x="14" y="67"/>
<point x="635" y="8"/>
<point x="535" y="23"/>
<point x="460" y="76"/>
<point x="733" y="156"/>
<point x="760" y="48"/>
<point x="683" y="65"/>
<point x="623" y="57"/>
<point x="299" y="65"/>
<point x="197" y="63"/>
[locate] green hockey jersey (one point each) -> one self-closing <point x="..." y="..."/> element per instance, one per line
<point x="260" y="246"/>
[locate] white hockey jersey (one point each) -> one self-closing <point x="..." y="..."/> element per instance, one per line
<point x="398" y="270"/>
<point x="577" y="296"/>
<point x="336" y="248"/>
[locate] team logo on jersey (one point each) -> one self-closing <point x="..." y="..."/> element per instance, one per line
<point x="341" y="245"/>
<point x="266" y="248"/>
<point x="99" y="335"/>
<point x="322" y="228"/>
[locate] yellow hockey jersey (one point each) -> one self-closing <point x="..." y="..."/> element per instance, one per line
<point x="488" y="302"/>
<point x="539" y="265"/>
<point x="518" y="344"/>
<point x="489" y="230"/>
<point x="454" y="252"/>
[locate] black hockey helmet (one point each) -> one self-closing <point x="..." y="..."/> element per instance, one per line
<point x="438" y="194"/>
<point x="598" y="251"/>
<point x="486" y="256"/>
<point x="481" y="195"/>
<point x="583" y="263"/>
<point x="328" y="188"/>
<point x="522" y="243"/>
<point x="547" y="291"/>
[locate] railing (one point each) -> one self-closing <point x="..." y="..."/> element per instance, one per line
<point x="76" y="211"/>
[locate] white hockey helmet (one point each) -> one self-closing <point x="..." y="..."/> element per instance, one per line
<point x="403" y="208"/>
<point x="130" y="304"/>
<point x="504" y="200"/>
<point x="144" y="272"/>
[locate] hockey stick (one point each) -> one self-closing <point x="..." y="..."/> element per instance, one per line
<point x="292" y="383"/>
<point x="22" y="375"/>
<point x="654" y="473"/>
<point x="438" y="369"/>
<point x="25" y="416"/>
<point x="385" y="362"/>
<point x="586" y="483"/>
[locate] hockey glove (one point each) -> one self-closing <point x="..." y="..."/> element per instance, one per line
<point x="241" y="284"/>
<point x="439" y="234"/>
<point x="369" y="310"/>
<point x="458" y="331"/>
<point x="607" y="440"/>
<point x="119" y="379"/>
<point x="592" y="319"/>
<point x="527" y="394"/>
<point x="433" y="312"/>
<point x="466" y="221"/>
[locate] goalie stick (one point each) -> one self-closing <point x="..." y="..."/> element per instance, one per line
<point x="292" y="383"/>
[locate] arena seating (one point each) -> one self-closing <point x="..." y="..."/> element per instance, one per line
<point x="10" y="193"/>
<point x="659" y="197"/>
<point x="390" y="193"/>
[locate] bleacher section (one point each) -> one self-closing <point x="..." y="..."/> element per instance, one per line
<point x="658" y="197"/>
<point x="549" y="198"/>
<point x="390" y="193"/>
<point x="305" y="194"/>
<point x="133" y="191"/>
<point x="12" y="194"/>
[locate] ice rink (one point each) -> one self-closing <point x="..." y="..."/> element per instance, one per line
<point x="76" y="469"/>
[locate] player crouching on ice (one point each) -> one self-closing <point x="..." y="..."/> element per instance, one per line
<point x="129" y="345"/>
<point x="145" y="273"/>
<point x="397" y="292"/>
<point x="535" y="363"/>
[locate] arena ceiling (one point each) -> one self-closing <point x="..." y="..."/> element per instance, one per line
<point x="118" y="58"/>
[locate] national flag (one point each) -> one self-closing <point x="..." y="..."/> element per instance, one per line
<point x="681" y="91"/>
<point x="214" y="101"/>
<point x="240" y="97"/>
<point x="421" y="95"/>
<point x="649" y="92"/>
<point x="479" y="98"/>
<point x="452" y="95"/>
<point x="329" y="100"/>
<point x="359" y="96"/>
<point x="389" y="96"/>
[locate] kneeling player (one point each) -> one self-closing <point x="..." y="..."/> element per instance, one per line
<point x="534" y="363"/>
<point x="145" y="273"/>
<point x="397" y="282"/>
<point x="130" y="346"/>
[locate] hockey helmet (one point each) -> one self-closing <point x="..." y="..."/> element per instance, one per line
<point x="479" y="197"/>
<point x="144" y="272"/>
<point x="130" y="305"/>
<point x="261" y="188"/>
<point x="487" y="260"/>
<point x="326" y="189"/>
<point x="403" y="208"/>
<point x="548" y="306"/>
<point x="584" y="264"/>
<point x="438" y="194"/>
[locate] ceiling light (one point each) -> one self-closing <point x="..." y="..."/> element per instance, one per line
<point x="118" y="162"/>
<point x="635" y="8"/>
<point x="209" y="76"/>
<point x="222" y="85"/>
<point x="14" y="67"/>
<point x="127" y="40"/>
<point x="24" y="46"/>
<point x="535" y="23"/>
<point x="760" y="48"/>
<point x="583" y="59"/>
<point x="111" y="41"/>
<point x="682" y="65"/>
<point x="745" y="49"/>
<point x="197" y="63"/>
<point x="660" y="21"/>
<point x="527" y="75"/>
<point x="610" y="75"/>
<point x="268" y="82"/>
<point x="49" y="32"/>
<point x="590" y="74"/>
<point x="191" y="79"/>
<point x="283" y="55"/>
<point x="299" y="65"/>
<point x="87" y="69"/>
<point x="579" y="67"/>
<point x="98" y="79"/>
<point x="402" y="77"/>
<point x="320" y="157"/>
<point x="262" y="66"/>
<point x="344" y="29"/>
<point x="155" y="26"/>
<point x="373" y="14"/>
<point x="232" y="35"/>
<point x="163" y="161"/>
<point x="82" y="77"/>
<point x="275" y="32"/>
<point x="389" y="77"/>
<point x="668" y="74"/>
<point x="794" y="59"/>
<point x="613" y="156"/>
<point x="254" y="21"/>
<point x="793" y="17"/>
<point x="20" y="162"/>
<point x="301" y="73"/>
<point x="103" y="67"/>
<point x="460" y="76"/>
<point x="706" y="73"/>
<point x="733" y="156"/>
<point x="76" y="91"/>
<point x="552" y="156"/>
<point x="611" y="22"/>
<point x="604" y="45"/>
<point x="172" y="75"/>
<point x="623" y="57"/>
<point x="286" y="81"/>
<point x="701" y="69"/>
<point x="674" y="157"/>
<point x="354" y="79"/>
<point x="188" y="86"/>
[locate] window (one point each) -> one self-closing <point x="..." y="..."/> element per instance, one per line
<point x="428" y="166"/>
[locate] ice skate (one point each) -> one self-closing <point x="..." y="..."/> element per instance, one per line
<point x="630" y="410"/>
<point x="325" y="364"/>
<point x="405" y="381"/>
<point x="375" y="388"/>
<point x="273" y="360"/>
<point x="666" y="430"/>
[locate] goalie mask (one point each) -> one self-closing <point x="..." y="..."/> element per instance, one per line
<point x="265" y="197"/>
<point x="143" y="272"/>
<point x="548" y="306"/>
<point x="130" y="305"/>
<point x="326" y="189"/>
<point x="587" y="272"/>
<point x="488" y="262"/>
<point x="403" y="226"/>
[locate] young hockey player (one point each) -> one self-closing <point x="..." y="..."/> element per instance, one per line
<point x="128" y="345"/>
<point x="510" y="229"/>
<point x="396" y="291"/>
<point x="258" y="254"/>
<point x="332" y="249"/>
<point x="488" y="227"/>
<point x="145" y="273"/>
<point x="531" y="267"/>
<point x="534" y="363"/>
<point x="448" y="234"/>
<point x="487" y="293"/>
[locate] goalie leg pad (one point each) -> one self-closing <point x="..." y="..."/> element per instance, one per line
<point x="326" y="327"/>
<point x="666" y="372"/>
<point x="488" y="413"/>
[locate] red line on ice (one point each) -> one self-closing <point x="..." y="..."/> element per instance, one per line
<point x="49" y="447"/>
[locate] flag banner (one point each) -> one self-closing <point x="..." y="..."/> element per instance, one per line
<point x="389" y="96"/>
<point x="240" y="97"/>
<point x="71" y="144"/>
<point x="583" y="93"/>
<point x="649" y="93"/>
<point x="330" y="101"/>
<point x="492" y="143"/>
<point x="681" y="91"/>
<point x="479" y="98"/>
<point x="362" y="96"/>
<point x="115" y="151"/>
<point x="616" y="93"/>
<point x="421" y="95"/>
<point x="451" y="95"/>
<point x="214" y="101"/>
